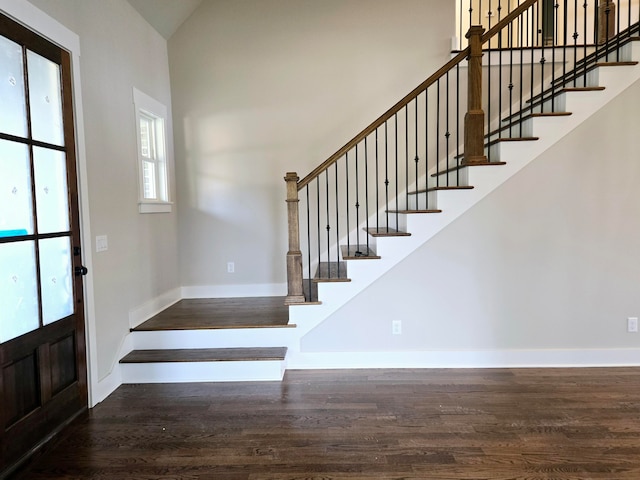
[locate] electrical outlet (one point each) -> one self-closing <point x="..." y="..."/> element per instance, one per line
<point x="632" y="324"/>
<point x="396" y="327"/>
<point x="231" y="267"/>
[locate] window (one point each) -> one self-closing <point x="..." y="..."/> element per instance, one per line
<point x="152" y="154"/>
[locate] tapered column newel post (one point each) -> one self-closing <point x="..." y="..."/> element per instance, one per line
<point x="295" y="294"/>
<point x="474" y="118"/>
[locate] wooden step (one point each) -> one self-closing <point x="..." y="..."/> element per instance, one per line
<point x="206" y="355"/>
<point x="358" y="252"/>
<point x="616" y="64"/>
<point x="331" y="272"/>
<point x="443" y="187"/>
<point x="385" y="232"/>
<point x="516" y="118"/>
<point x="551" y="92"/>
<point x="220" y="313"/>
<point x="491" y="143"/>
<point x="410" y="212"/>
<point x="459" y="167"/>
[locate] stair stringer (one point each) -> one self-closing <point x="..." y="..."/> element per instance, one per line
<point x="392" y="250"/>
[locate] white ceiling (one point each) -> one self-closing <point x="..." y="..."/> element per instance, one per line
<point x="165" y="15"/>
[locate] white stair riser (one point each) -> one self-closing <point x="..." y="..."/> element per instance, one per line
<point x="220" y="338"/>
<point x="180" y="372"/>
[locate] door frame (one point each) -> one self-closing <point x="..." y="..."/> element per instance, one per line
<point x="36" y="20"/>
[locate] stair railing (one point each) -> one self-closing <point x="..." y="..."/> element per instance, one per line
<point x="421" y="145"/>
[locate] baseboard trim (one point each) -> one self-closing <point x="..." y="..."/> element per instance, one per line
<point x="551" y="358"/>
<point x="230" y="291"/>
<point x="154" y="306"/>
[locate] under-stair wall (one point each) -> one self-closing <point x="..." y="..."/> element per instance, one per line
<point x="542" y="271"/>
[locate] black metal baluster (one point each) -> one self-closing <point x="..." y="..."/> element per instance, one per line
<point x="437" y="133"/>
<point x="448" y="133"/>
<point x="310" y="299"/>
<point x="553" y="55"/>
<point x="499" y="87"/>
<point x="575" y="39"/>
<point x="348" y="230"/>
<point x="337" y="226"/>
<point x="489" y="82"/>
<point x="386" y="174"/>
<point x="521" y="51"/>
<point x="617" y="32"/>
<point x="358" y="252"/>
<point x="585" y="7"/>
<point x="406" y="154"/>
<point x="426" y="147"/>
<point x="417" y="158"/>
<point x="377" y="187"/>
<point x="366" y="189"/>
<point x="532" y="47"/>
<point x="458" y="124"/>
<point x="565" y="41"/>
<point x="318" y="230"/>
<point x="510" y="43"/>
<point x="326" y="175"/>
<point x="395" y="121"/>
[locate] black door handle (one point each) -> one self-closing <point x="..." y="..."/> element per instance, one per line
<point x="81" y="271"/>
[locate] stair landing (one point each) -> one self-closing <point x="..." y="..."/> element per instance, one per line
<point x="214" y="339"/>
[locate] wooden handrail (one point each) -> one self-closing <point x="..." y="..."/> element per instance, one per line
<point x="411" y="95"/>
<point x="489" y="34"/>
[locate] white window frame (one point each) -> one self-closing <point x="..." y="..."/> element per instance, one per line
<point x="150" y="109"/>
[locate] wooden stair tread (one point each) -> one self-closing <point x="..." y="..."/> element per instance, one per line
<point x="409" y="212"/>
<point x="459" y="167"/>
<point x="220" y="313"/>
<point x="527" y="116"/>
<point x="490" y="143"/>
<point x="616" y="64"/>
<point x="331" y="272"/>
<point x="438" y="188"/>
<point x="206" y="355"/>
<point x="385" y="232"/>
<point x="358" y="252"/>
<point x="549" y="93"/>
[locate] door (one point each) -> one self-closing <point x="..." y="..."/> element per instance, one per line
<point x="42" y="342"/>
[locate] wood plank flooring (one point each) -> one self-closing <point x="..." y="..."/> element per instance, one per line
<point x="210" y="313"/>
<point x="497" y="424"/>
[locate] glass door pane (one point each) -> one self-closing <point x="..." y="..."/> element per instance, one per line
<point x="13" y="118"/>
<point x="45" y="99"/>
<point x="56" y="282"/>
<point x="18" y="289"/>
<point x="16" y="206"/>
<point x="52" y="202"/>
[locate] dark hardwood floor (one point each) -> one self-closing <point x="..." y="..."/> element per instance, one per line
<point x="360" y="424"/>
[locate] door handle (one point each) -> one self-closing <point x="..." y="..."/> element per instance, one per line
<point x="81" y="271"/>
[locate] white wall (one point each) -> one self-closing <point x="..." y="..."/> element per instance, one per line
<point x="549" y="261"/>
<point x="119" y="51"/>
<point x="265" y="87"/>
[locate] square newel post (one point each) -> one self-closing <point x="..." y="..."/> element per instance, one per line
<point x="474" y="118"/>
<point x="295" y="294"/>
<point x="606" y="20"/>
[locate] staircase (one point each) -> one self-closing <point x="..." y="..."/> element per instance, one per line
<point x="406" y="177"/>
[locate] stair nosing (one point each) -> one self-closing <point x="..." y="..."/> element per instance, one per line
<point x="173" y="355"/>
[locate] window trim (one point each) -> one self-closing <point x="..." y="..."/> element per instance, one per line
<point x="145" y="107"/>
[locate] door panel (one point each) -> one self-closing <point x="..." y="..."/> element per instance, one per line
<point x="42" y="346"/>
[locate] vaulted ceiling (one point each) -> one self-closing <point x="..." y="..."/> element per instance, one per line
<point x="165" y="15"/>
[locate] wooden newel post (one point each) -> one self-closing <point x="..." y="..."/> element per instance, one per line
<point x="295" y="294"/>
<point x="606" y="20"/>
<point x="474" y="118"/>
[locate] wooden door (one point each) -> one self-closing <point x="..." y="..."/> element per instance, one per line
<point x="42" y="340"/>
